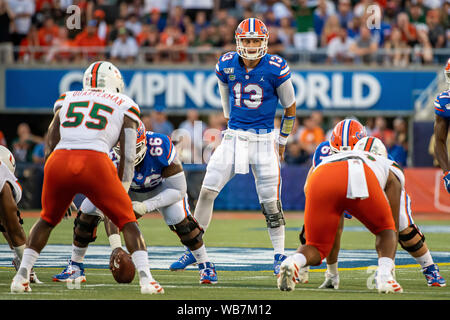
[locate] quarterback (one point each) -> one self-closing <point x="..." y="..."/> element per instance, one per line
<point x="251" y="84"/>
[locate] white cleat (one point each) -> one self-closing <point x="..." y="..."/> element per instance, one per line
<point x="331" y="281"/>
<point x="387" y="284"/>
<point x="19" y="285"/>
<point x="303" y="275"/>
<point x="289" y="273"/>
<point x="152" y="287"/>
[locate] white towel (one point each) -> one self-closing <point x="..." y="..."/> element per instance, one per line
<point x="241" y="163"/>
<point x="357" y="184"/>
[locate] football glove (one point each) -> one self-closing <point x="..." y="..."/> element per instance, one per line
<point x="447" y="180"/>
<point x="139" y="208"/>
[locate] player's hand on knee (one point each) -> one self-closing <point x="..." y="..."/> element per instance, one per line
<point x="447" y="180"/>
<point x="139" y="208"/>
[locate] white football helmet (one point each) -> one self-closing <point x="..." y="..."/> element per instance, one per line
<point x="7" y="158"/>
<point x="372" y="145"/>
<point x="103" y="75"/>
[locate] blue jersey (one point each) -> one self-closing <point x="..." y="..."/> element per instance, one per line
<point x="159" y="155"/>
<point x="442" y="105"/>
<point x="253" y="95"/>
<point x="323" y="150"/>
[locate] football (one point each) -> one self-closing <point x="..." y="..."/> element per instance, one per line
<point x="121" y="266"/>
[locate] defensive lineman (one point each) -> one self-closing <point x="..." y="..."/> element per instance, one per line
<point x="251" y="82"/>
<point x="86" y="125"/>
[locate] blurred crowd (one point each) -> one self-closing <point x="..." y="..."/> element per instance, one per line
<point x="196" y="137"/>
<point x="384" y="32"/>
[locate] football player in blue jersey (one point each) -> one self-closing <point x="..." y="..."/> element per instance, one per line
<point x="251" y="85"/>
<point x="159" y="184"/>
<point x="410" y="237"/>
<point x="441" y="126"/>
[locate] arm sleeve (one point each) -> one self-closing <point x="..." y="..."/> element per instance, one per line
<point x="174" y="190"/>
<point x="285" y="93"/>
<point x="130" y="155"/>
<point x="224" y="98"/>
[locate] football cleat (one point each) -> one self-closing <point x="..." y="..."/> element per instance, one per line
<point x="289" y="273"/>
<point x="208" y="273"/>
<point x="152" y="287"/>
<point x="185" y="260"/>
<point x="387" y="284"/>
<point x="331" y="281"/>
<point x="303" y="275"/>
<point x="434" y="278"/>
<point x="277" y="260"/>
<point x="19" y="284"/>
<point x="33" y="276"/>
<point x="73" y="272"/>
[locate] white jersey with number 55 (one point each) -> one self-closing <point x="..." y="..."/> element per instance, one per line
<point x="93" y="119"/>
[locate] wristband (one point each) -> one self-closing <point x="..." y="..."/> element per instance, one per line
<point x="287" y="123"/>
<point x="282" y="140"/>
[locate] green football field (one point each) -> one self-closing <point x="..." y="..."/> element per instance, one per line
<point x="231" y="239"/>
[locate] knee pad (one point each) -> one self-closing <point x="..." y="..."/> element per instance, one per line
<point x="189" y="231"/>
<point x="208" y="194"/>
<point x="301" y="236"/>
<point x="403" y="238"/>
<point x="85" y="228"/>
<point x="273" y="213"/>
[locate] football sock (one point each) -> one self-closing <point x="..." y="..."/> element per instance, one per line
<point x="333" y="268"/>
<point x="78" y="254"/>
<point x="200" y="254"/>
<point x="28" y="260"/>
<point x="385" y="266"/>
<point x="299" y="259"/>
<point x="277" y="237"/>
<point x="425" y="260"/>
<point x="140" y="260"/>
<point x="115" y="241"/>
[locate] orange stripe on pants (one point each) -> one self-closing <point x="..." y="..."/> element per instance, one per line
<point x="326" y="199"/>
<point x="92" y="173"/>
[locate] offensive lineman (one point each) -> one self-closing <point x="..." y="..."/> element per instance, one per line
<point x="441" y="126"/>
<point x="86" y="125"/>
<point x="251" y="82"/>
<point x="158" y="184"/>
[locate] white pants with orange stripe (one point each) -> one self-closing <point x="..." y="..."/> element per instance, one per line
<point x="239" y="151"/>
<point x="172" y="214"/>
<point x="405" y="215"/>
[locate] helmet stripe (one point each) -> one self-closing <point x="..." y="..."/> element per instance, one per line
<point x="94" y="75"/>
<point x="368" y="144"/>
<point x="345" y="133"/>
<point x="252" y="25"/>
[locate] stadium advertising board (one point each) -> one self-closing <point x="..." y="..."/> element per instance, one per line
<point x="175" y="90"/>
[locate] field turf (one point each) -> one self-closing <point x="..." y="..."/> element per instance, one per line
<point x="235" y="231"/>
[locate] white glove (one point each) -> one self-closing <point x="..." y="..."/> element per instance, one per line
<point x="139" y="208"/>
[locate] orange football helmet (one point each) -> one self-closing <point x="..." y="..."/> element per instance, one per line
<point x="141" y="145"/>
<point x="447" y="71"/>
<point x="346" y="134"/>
<point x="251" y="28"/>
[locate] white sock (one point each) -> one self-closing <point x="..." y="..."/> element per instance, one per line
<point x="277" y="237"/>
<point x="78" y="254"/>
<point x="425" y="260"/>
<point x="115" y="241"/>
<point x="19" y="251"/>
<point x="299" y="259"/>
<point x="385" y="266"/>
<point x="200" y="254"/>
<point x="140" y="260"/>
<point x="332" y="268"/>
<point x="28" y="260"/>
